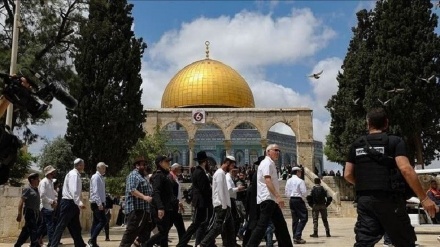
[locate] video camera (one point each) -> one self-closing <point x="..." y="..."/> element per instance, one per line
<point x="18" y="93"/>
<point x="22" y="91"/>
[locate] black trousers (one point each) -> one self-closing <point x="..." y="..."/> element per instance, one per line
<point x="223" y="223"/>
<point x="30" y="228"/>
<point x="201" y="219"/>
<point x="163" y="227"/>
<point x="177" y="221"/>
<point x="270" y="211"/>
<point x="382" y="213"/>
<point x="69" y="217"/>
<point x="138" y="224"/>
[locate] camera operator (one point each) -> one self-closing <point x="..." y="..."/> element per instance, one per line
<point x="4" y="103"/>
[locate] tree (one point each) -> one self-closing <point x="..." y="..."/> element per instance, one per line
<point x="57" y="153"/>
<point x="407" y="48"/>
<point x="347" y="106"/>
<point x="45" y="42"/>
<point x="108" y="119"/>
<point x="402" y="47"/>
<point x="21" y="168"/>
<point x="149" y="147"/>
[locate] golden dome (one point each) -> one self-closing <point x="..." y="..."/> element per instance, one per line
<point x="208" y="83"/>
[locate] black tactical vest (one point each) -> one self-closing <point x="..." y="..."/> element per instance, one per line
<point x="372" y="171"/>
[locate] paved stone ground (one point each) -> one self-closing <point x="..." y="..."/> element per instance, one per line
<point x="341" y="230"/>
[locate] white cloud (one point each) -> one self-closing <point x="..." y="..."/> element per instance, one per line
<point x="245" y="40"/>
<point x="326" y="85"/>
<point x="54" y="127"/>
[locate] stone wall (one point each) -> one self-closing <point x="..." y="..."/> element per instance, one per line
<point x="10" y="228"/>
<point x="342" y="187"/>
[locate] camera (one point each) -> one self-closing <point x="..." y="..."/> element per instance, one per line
<point x="23" y="91"/>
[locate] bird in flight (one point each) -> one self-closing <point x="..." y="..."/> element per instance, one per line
<point x="396" y="90"/>
<point x="316" y="75"/>
<point x="384" y="103"/>
<point x="356" y="101"/>
<point x="427" y="79"/>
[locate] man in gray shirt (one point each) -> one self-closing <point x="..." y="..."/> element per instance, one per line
<point x="30" y="201"/>
<point x="97" y="202"/>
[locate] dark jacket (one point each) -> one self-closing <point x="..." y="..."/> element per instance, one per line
<point x="252" y="209"/>
<point x="163" y="196"/>
<point x="202" y="192"/>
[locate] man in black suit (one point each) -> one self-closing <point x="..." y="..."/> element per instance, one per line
<point x="201" y="201"/>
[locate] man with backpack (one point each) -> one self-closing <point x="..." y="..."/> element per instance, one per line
<point x="379" y="168"/>
<point x="319" y="202"/>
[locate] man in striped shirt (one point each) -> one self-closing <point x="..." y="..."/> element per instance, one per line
<point x="97" y="202"/>
<point x="138" y="193"/>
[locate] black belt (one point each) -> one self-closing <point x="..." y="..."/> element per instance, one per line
<point x="295" y="197"/>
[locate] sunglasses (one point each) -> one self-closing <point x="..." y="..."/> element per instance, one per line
<point x="276" y="150"/>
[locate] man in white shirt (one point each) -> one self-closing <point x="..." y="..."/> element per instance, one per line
<point x="296" y="190"/>
<point x="48" y="198"/>
<point x="233" y="194"/>
<point x="97" y="202"/>
<point x="269" y="200"/>
<point x="222" y="219"/>
<point x="70" y="206"/>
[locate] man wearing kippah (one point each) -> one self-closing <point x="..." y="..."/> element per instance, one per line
<point x="70" y="206"/>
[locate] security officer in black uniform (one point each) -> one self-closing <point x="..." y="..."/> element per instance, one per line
<point x="378" y="166"/>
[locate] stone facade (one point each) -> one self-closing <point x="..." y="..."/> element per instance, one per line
<point x="227" y="119"/>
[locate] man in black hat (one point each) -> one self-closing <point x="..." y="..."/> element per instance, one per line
<point x="163" y="199"/>
<point x="202" y="201"/>
<point x="138" y="193"/>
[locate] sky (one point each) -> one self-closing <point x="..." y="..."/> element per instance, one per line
<point x="274" y="45"/>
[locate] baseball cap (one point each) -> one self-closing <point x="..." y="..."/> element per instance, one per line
<point x="161" y="158"/>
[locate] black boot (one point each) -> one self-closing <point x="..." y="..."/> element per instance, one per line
<point x="314" y="235"/>
<point x="327" y="233"/>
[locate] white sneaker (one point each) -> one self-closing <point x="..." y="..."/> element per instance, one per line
<point x="438" y="238"/>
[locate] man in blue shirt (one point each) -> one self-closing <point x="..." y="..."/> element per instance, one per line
<point x="138" y="193"/>
<point x="97" y="202"/>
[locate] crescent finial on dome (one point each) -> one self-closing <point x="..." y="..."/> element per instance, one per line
<point x="207" y="49"/>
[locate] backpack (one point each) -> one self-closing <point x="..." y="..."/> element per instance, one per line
<point x="188" y="195"/>
<point x="397" y="181"/>
<point x="319" y="195"/>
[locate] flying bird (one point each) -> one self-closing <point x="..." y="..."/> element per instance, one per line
<point x="384" y="103"/>
<point x="316" y="75"/>
<point x="396" y="90"/>
<point x="427" y="79"/>
<point x="356" y="101"/>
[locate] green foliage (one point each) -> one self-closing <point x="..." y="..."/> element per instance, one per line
<point x="398" y="47"/>
<point x="348" y="118"/>
<point x="116" y="185"/>
<point x="21" y="167"/>
<point x="149" y="147"/>
<point x="57" y="153"/>
<point x="108" y="120"/>
<point x="45" y="42"/>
